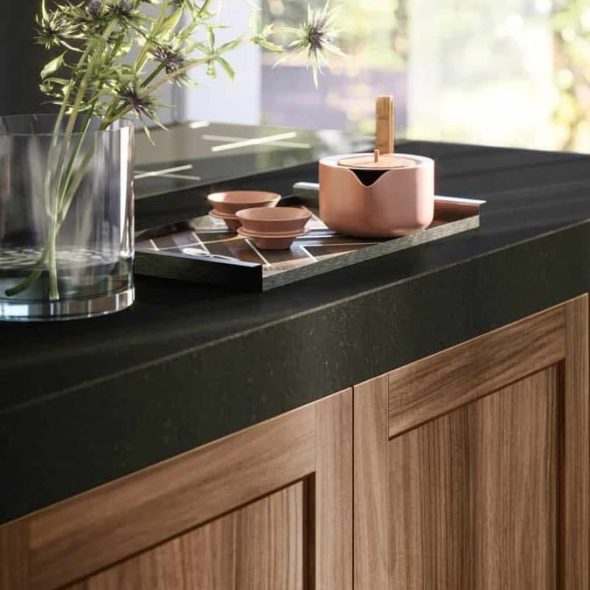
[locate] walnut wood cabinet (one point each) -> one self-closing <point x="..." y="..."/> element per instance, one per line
<point x="268" y="508"/>
<point x="466" y="470"/>
<point x="472" y="466"/>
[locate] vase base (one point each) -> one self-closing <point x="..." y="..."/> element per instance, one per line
<point x="69" y="309"/>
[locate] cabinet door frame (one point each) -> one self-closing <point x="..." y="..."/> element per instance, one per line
<point x="399" y="401"/>
<point x="76" y="538"/>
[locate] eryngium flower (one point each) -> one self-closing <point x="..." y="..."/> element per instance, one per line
<point x="94" y="8"/>
<point x="55" y="28"/>
<point x="316" y="38"/>
<point x="139" y="103"/>
<point x="123" y="10"/>
<point x="171" y="60"/>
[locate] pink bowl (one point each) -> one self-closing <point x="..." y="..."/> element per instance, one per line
<point x="231" y="221"/>
<point x="233" y="201"/>
<point x="269" y="241"/>
<point x="275" y="220"/>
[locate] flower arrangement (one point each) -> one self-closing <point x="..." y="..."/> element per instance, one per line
<point x="114" y="56"/>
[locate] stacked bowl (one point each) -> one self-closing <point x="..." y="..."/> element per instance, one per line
<point x="273" y="229"/>
<point x="254" y="215"/>
<point x="227" y="204"/>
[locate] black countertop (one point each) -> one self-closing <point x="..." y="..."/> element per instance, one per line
<point x="85" y="402"/>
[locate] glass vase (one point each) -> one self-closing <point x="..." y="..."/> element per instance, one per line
<point x="66" y="217"/>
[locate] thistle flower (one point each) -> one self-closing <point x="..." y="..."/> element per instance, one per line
<point x="171" y="59"/>
<point x="94" y="8"/>
<point x="124" y="11"/>
<point x="115" y="40"/>
<point x="316" y="39"/>
<point x="141" y="104"/>
<point x="55" y="28"/>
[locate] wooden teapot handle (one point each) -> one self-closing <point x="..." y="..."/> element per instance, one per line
<point x="384" y="124"/>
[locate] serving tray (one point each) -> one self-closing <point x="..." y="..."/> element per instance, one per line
<point x="203" y="250"/>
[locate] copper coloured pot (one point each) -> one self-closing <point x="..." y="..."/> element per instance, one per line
<point x="386" y="199"/>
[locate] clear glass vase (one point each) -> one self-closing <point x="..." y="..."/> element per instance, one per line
<point x="66" y="217"/>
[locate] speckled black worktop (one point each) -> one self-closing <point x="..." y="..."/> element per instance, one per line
<point x="85" y="402"/>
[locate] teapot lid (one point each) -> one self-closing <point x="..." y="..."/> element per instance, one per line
<point x="376" y="161"/>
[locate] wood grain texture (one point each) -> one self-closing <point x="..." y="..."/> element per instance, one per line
<point x="473" y="502"/>
<point x="268" y="508"/>
<point x="94" y="530"/>
<point x="488" y="463"/>
<point x="384" y="122"/>
<point x="333" y="494"/>
<point x="258" y="547"/>
<point x="433" y="386"/>
<point x="575" y="543"/>
<point x="14" y="556"/>
<point x="371" y="491"/>
<point x="275" y="559"/>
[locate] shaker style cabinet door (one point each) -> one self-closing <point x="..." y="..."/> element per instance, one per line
<point x="268" y="508"/>
<point x="472" y="466"/>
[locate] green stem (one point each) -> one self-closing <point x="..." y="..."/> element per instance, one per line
<point x="115" y="111"/>
<point x="52" y="256"/>
<point x="66" y="179"/>
<point x="63" y="179"/>
<point x="142" y="57"/>
<point x="55" y="136"/>
<point x="97" y="46"/>
<point x="55" y="198"/>
<point x="189" y="66"/>
<point x="26" y="282"/>
<point x="74" y="184"/>
<point x="123" y="111"/>
<point x="153" y="75"/>
<point x="68" y="197"/>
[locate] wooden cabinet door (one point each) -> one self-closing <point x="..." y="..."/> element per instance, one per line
<point x="268" y="508"/>
<point x="472" y="466"/>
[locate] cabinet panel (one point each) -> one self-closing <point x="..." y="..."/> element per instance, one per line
<point x="438" y="384"/>
<point x="472" y="467"/>
<point x="474" y="493"/>
<point x="258" y="547"/>
<point x="268" y="508"/>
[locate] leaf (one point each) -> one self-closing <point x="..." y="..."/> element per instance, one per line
<point x="211" y="37"/>
<point x="198" y="46"/>
<point x="148" y="134"/>
<point x="170" y="22"/>
<point x="52" y="66"/>
<point x="230" y="45"/>
<point x="266" y="44"/>
<point x="228" y="69"/>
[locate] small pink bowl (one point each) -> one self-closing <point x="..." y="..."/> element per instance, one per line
<point x="269" y="241"/>
<point x="233" y="201"/>
<point x="275" y="220"/>
<point x="231" y="221"/>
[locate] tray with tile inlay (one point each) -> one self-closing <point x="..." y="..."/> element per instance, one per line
<point x="203" y="250"/>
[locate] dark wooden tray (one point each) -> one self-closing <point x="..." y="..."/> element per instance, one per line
<point x="203" y="250"/>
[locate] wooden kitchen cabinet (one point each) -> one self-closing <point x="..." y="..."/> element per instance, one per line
<point x="268" y="508"/>
<point x="472" y="466"/>
<point x="466" y="470"/>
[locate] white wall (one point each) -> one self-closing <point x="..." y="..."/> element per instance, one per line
<point x="222" y="99"/>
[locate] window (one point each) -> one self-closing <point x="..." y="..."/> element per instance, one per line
<point x="504" y="72"/>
